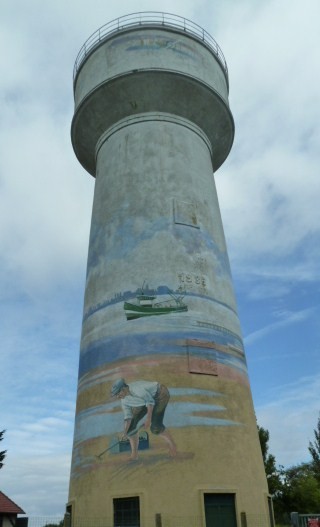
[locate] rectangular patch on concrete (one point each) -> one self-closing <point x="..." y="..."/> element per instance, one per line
<point x="185" y="214"/>
<point x="202" y="357"/>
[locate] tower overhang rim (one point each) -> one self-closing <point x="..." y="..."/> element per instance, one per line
<point x="213" y="93"/>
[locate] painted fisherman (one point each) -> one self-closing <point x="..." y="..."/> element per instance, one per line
<point x="140" y="399"/>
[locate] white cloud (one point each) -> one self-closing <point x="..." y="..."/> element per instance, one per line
<point x="269" y="188"/>
<point x="45" y="205"/>
<point x="39" y="484"/>
<point x="291" y="416"/>
<point x="287" y="319"/>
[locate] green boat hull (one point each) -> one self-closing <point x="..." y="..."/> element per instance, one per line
<point x="135" y="311"/>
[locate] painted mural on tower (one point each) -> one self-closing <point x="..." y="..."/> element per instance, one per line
<point x="138" y="418"/>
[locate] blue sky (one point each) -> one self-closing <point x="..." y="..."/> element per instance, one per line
<point x="269" y="192"/>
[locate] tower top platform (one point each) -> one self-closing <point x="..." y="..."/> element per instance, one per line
<point x="150" y="63"/>
<point x="152" y="19"/>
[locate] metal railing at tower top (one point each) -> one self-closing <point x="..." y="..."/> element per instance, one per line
<point x="148" y="18"/>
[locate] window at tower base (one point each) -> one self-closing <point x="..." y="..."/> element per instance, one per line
<point x="126" y="512"/>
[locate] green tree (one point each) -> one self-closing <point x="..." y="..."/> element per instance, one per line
<point x="59" y="524"/>
<point x="3" y="452"/>
<point x="272" y="472"/>
<point x="296" y="488"/>
<point x="314" y="449"/>
<point x="301" y="490"/>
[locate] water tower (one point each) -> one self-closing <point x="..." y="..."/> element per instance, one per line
<point x="165" y="430"/>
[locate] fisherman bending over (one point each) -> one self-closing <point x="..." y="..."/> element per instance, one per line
<point x="139" y="399"/>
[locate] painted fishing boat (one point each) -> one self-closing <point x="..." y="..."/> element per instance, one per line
<point x="145" y="300"/>
<point x="146" y="306"/>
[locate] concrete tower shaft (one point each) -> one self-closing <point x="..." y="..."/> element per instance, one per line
<point x="161" y="339"/>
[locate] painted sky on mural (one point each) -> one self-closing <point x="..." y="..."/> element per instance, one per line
<point x="269" y="191"/>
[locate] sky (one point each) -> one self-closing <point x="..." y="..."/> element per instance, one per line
<point x="269" y="193"/>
